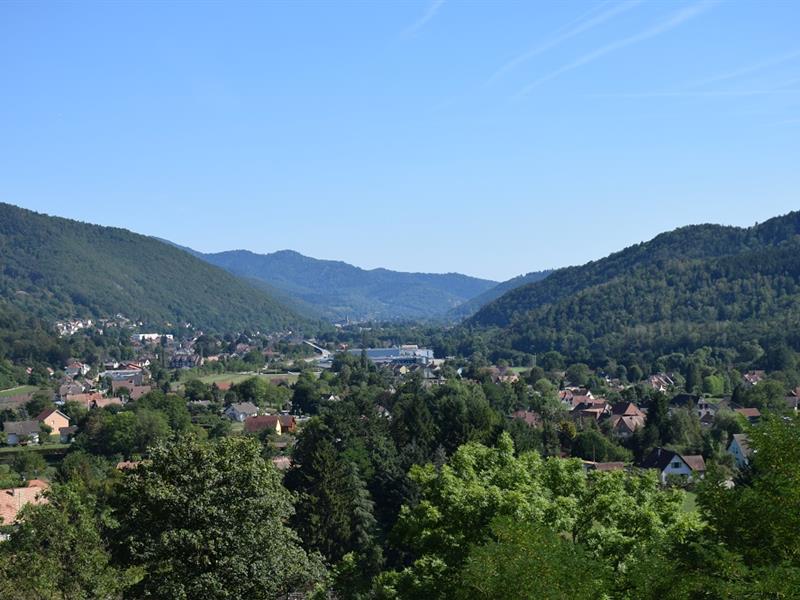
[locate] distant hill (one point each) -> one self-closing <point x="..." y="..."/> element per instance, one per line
<point x="698" y="285"/>
<point x="338" y="290"/>
<point x="470" y="307"/>
<point x="54" y="268"/>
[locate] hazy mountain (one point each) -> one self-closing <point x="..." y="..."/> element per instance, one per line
<point x="55" y="268"/>
<point x="339" y="290"/>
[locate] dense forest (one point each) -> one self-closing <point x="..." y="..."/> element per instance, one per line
<point x="53" y="268"/>
<point x="697" y="286"/>
<point x="470" y="307"/>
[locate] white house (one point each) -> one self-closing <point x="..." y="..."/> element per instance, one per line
<point x="671" y="463"/>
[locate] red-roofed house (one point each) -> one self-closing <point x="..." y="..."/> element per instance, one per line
<point x="12" y="500"/>
<point x="260" y="423"/>
<point x="751" y="414"/>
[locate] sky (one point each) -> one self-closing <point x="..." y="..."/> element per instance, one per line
<point x="488" y="138"/>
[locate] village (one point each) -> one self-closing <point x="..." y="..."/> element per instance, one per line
<point x="262" y="402"/>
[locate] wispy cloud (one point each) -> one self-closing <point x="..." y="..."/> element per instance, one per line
<point x="703" y="94"/>
<point x="753" y="68"/>
<point x="429" y="14"/>
<point x="585" y="22"/>
<point x="676" y="19"/>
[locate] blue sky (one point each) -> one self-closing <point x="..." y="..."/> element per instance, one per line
<point x="487" y="138"/>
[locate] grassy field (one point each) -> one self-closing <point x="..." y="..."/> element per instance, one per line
<point x="22" y="389"/>
<point x="239" y="377"/>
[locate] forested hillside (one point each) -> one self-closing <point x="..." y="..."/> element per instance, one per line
<point x="700" y="285"/>
<point x="53" y="268"/>
<point x="472" y="306"/>
<point x="339" y="290"/>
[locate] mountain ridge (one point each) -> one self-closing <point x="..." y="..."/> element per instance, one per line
<point x="56" y="268"/>
<point x="339" y="290"/>
<point x="692" y="286"/>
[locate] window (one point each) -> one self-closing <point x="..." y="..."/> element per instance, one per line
<point x="676" y="464"/>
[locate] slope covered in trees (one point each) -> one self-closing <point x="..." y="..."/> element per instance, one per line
<point x="53" y="268"/>
<point x="339" y="290"/>
<point x="704" y="285"/>
<point x="472" y="306"/>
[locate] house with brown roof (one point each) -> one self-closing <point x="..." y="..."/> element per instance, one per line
<point x="669" y="464"/>
<point x="590" y="465"/>
<point x="69" y="388"/>
<point x="625" y="419"/>
<point x="529" y="417"/>
<point x="262" y="423"/>
<point x="753" y="415"/>
<point x="53" y="418"/>
<point x="288" y="423"/>
<point x="14" y="499"/>
<point x="86" y="400"/>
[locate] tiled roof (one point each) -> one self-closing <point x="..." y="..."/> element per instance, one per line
<point x="253" y="424"/>
<point x="12" y="500"/>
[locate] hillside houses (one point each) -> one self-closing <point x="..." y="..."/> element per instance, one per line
<point x="661" y="382"/>
<point x="670" y="464"/>
<point x="625" y="419"/>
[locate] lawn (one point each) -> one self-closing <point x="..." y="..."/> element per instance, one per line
<point x="17" y="391"/>
<point x="239" y="377"/>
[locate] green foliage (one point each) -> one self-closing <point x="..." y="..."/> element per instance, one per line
<point x="54" y="268"/>
<point x="57" y="553"/>
<point x="593" y="445"/>
<point x="208" y="521"/>
<point x="523" y="561"/>
<point x="613" y="514"/>
<point x="760" y="516"/>
<point x="693" y="287"/>
<point x="262" y="393"/>
<point x="29" y="463"/>
<point x="126" y="433"/>
<point x="9" y="478"/>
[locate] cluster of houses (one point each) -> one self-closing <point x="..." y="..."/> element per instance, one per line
<point x="115" y="385"/>
<point x="50" y="422"/>
<point x="624" y="417"/>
